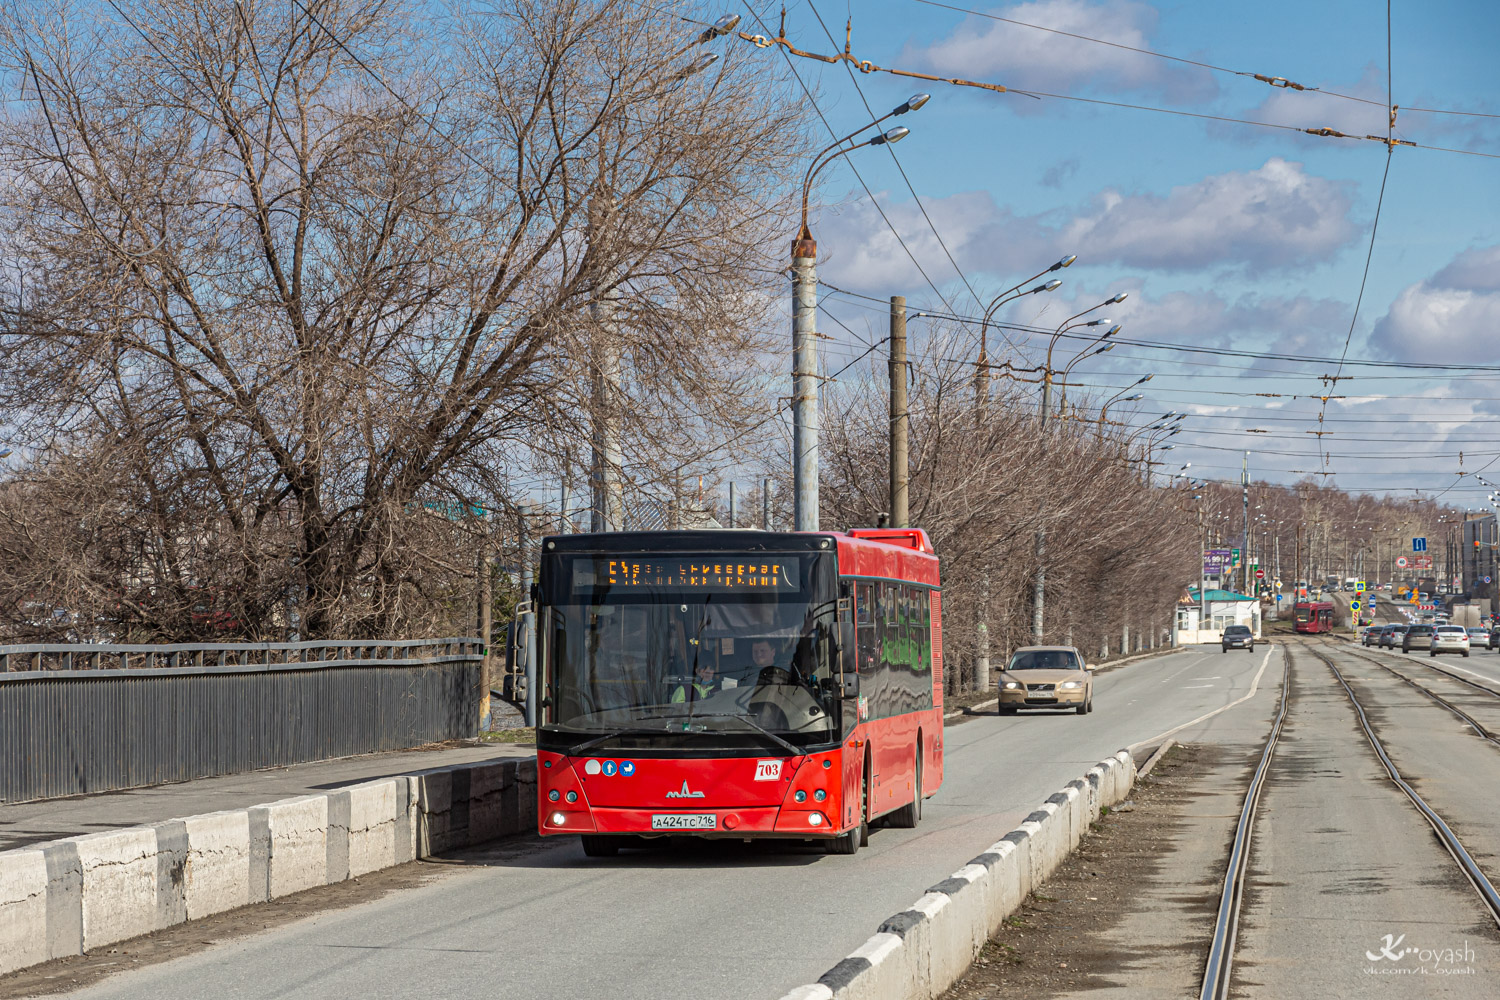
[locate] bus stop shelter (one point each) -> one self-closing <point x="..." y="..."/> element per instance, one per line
<point x="1203" y="618"/>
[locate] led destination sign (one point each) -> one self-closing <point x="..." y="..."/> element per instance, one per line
<point x="690" y="574"/>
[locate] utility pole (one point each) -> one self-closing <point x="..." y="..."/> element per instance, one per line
<point x="1039" y="585"/>
<point x="732" y="511"/>
<point x="765" y="503"/>
<point x="805" y="382"/>
<point x="1245" y="525"/>
<point x="485" y="594"/>
<point x="608" y="501"/>
<point x="900" y="516"/>
<point x="527" y="622"/>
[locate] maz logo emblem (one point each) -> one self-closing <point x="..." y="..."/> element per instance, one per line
<point x="685" y="793"/>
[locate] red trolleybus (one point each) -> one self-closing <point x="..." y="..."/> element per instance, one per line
<point x="1313" y="616"/>
<point x="737" y="684"/>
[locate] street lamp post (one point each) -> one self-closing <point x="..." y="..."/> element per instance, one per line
<point x="982" y="368"/>
<point x="805" y="321"/>
<point x="1090" y="350"/>
<point x="1039" y="584"/>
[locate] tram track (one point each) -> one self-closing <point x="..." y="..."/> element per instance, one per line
<point x="1478" y="727"/>
<point x="1218" y="973"/>
<point x="1460" y="854"/>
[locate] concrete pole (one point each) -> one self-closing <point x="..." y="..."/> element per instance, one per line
<point x="485" y="595"/>
<point x="608" y="452"/>
<point x="900" y="512"/>
<point x="765" y="504"/>
<point x="732" y="510"/>
<point x="805" y="384"/>
<point x="1039" y="585"/>
<point x="527" y="621"/>
<point x="1245" y="526"/>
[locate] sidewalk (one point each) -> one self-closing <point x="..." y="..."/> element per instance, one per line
<point x="28" y="823"/>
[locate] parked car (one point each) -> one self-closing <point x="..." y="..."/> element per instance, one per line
<point x="1418" y="637"/>
<point x="1479" y="638"/>
<point x="1046" y="677"/>
<point x="1238" y="637"/>
<point x="1391" y="636"/>
<point x="1449" y="639"/>
<point x="1371" y="635"/>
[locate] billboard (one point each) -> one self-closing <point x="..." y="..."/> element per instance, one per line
<point x="1216" y="562"/>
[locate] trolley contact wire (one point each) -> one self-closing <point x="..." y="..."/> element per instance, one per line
<point x="1455" y="847"/>
<point x="1216" y="975"/>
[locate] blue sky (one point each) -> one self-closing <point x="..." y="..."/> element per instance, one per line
<point x="1225" y="235"/>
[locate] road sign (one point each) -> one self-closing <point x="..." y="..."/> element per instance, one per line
<point x="1361" y="586"/>
<point x="1279" y="597"/>
<point x="1235" y="555"/>
<point x="1423" y="562"/>
<point x="1419" y="545"/>
<point x="1354" y="605"/>
<point x="1215" y="561"/>
<point x="1260" y="574"/>
<point x="1488" y="580"/>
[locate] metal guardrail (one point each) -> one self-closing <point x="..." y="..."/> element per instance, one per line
<point x="126" y="656"/>
<point x="93" y="718"/>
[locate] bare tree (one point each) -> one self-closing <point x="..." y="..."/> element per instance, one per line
<point x="286" y="271"/>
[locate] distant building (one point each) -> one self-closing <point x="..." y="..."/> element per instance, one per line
<point x="1223" y="608"/>
<point x="1479" y="559"/>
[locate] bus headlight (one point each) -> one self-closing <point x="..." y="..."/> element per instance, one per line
<point x="552" y="796"/>
<point x="572" y="796"/>
<point x="558" y="819"/>
<point x="801" y="796"/>
<point x="815" y="819"/>
<point x="820" y="795"/>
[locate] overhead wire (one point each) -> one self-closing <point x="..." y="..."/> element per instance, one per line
<point x="890" y="148"/>
<point x="852" y="166"/>
<point x="1279" y="82"/>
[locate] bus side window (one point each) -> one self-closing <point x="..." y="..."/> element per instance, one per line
<point x="865" y="644"/>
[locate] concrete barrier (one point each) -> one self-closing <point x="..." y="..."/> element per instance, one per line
<point x="70" y="896"/>
<point x="918" y="953"/>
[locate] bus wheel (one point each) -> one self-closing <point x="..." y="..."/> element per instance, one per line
<point x="908" y="816"/>
<point x="852" y="840"/>
<point x="599" y="847"/>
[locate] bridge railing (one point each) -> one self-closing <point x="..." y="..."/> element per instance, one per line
<point x="87" y="718"/>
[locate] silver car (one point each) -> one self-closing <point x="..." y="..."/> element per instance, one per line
<point x="1449" y="639"/>
<point x="1479" y="638"/>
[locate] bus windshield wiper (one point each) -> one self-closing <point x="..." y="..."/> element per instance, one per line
<point x="762" y="730"/>
<point x="586" y="745"/>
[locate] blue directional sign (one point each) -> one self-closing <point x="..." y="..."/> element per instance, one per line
<point x="1419" y="545"/>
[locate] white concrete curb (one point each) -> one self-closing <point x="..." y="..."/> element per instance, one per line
<point x="66" y="897"/>
<point x="921" y="951"/>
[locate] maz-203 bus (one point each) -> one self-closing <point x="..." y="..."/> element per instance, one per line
<point x="1313" y="616"/>
<point x="737" y="684"/>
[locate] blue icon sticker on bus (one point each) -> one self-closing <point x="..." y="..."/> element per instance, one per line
<point x="627" y="767"/>
<point x="609" y="768"/>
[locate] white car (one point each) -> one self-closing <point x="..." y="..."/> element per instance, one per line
<point x="1449" y="639"/>
<point x="1479" y="638"/>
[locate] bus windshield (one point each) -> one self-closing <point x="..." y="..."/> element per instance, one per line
<point x="693" y="646"/>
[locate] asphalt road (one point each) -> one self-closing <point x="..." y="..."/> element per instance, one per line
<point x="722" y="920"/>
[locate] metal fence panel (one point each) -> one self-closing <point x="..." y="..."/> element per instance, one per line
<point x="70" y="732"/>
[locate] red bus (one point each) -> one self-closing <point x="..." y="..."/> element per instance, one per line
<point x="737" y="684"/>
<point x="1313" y="616"/>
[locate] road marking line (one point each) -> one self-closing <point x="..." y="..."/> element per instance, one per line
<point x="1197" y="687"/>
<point x="1254" y="686"/>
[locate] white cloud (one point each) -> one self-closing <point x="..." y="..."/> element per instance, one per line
<point x="1028" y="59"/>
<point x="1452" y="317"/>
<point x="1276" y="217"/>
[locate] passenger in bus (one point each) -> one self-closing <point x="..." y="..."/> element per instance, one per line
<point x="705" y="683"/>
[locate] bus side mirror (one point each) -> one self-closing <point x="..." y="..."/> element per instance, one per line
<point x="850" y="685"/>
